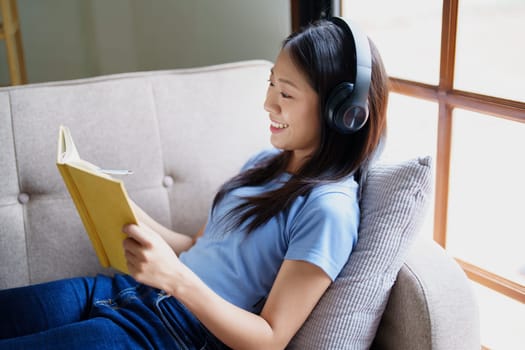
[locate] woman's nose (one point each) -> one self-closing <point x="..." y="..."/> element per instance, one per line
<point x="270" y="104"/>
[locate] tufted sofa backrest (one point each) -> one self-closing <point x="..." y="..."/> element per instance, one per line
<point x="182" y="132"/>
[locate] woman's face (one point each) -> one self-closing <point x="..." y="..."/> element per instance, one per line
<point x="293" y="108"/>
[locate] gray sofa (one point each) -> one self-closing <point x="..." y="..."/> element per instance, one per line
<point x="184" y="132"/>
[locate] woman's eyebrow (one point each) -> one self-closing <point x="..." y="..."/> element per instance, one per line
<point x="286" y="81"/>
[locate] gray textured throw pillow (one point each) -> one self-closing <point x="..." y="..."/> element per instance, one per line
<point x="347" y="316"/>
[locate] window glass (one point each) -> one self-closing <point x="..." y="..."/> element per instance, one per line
<point x="406" y="32"/>
<point x="490" y="48"/>
<point x="502" y="319"/>
<point x="412" y="133"/>
<point x="486" y="208"/>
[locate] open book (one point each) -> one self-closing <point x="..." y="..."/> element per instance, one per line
<point x="101" y="201"/>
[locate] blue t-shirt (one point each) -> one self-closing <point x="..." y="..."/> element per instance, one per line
<point x="320" y="228"/>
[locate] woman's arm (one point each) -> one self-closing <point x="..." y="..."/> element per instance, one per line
<point x="297" y="289"/>
<point x="179" y="242"/>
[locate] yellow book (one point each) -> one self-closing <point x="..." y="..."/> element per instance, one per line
<point x="101" y="201"/>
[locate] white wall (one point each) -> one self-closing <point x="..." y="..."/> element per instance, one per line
<point x="67" y="39"/>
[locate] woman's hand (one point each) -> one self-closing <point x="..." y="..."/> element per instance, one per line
<point x="150" y="259"/>
<point x="179" y="242"/>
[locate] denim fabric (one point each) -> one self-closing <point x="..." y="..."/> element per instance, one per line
<point x="98" y="313"/>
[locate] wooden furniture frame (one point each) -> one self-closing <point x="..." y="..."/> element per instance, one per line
<point x="10" y="33"/>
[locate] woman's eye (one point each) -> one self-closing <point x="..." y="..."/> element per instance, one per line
<point x="283" y="94"/>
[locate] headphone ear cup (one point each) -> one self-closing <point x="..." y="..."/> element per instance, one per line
<point x="353" y="117"/>
<point x="334" y="110"/>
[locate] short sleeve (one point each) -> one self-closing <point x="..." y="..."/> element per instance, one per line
<point x="324" y="231"/>
<point x="259" y="157"/>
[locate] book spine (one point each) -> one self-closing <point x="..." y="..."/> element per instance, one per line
<point x="84" y="216"/>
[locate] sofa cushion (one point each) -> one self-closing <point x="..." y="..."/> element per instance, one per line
<point x="392" y="204"/>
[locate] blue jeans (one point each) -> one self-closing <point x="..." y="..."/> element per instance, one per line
<point x="98" y="313"/>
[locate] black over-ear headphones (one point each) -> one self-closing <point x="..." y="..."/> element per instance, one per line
<point x="347" y="105"/>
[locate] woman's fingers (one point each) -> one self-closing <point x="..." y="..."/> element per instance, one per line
<point x="139" y="233"/>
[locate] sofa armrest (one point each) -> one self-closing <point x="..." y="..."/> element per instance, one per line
<point x="431" y="305"/>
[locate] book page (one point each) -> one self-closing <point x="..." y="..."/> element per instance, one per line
<point x="68" y="154"/>
<point x="67" y="151"/>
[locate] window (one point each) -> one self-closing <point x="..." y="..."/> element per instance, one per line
<point x="457" y="66"/>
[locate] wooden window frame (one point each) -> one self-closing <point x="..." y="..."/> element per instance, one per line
<point x="448" y="99"/>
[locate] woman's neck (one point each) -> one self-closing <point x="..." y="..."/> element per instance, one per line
<point x="295" y="162"/>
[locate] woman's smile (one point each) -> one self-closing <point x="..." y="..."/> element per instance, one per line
<point x="277" y="127"/>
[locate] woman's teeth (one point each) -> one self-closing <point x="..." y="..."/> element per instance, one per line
<point x="279" y="125"/>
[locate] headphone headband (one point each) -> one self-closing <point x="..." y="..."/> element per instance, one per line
<point x="347" y="105"/>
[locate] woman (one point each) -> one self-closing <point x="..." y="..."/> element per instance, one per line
<point x="277" y="236"/>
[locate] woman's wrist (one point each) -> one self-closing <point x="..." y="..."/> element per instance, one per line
<point x="182" y="283"/>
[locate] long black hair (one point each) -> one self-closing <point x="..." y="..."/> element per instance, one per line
<point x="325" y="56"/>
